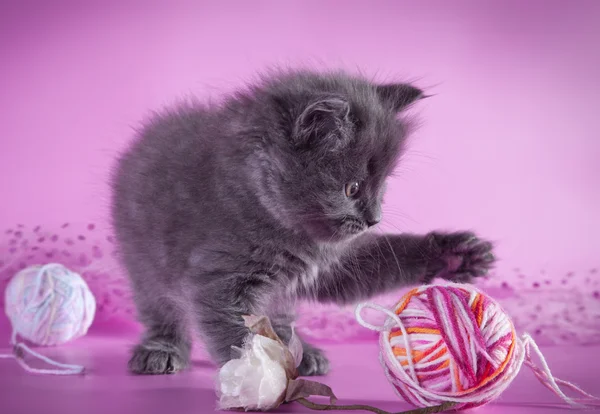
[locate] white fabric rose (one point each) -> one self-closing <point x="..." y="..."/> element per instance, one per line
<point x="258" y="379"/>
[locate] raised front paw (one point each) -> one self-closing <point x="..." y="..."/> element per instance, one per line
<point x="460" y="257"/>
<point x="150" y="359"/>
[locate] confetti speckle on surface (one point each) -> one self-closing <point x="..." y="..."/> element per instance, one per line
<point x="544" y="303"/>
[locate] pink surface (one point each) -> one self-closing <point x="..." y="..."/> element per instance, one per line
<point x="356" y="378"/>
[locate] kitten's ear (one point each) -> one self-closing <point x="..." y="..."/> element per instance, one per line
<point x="320" y="120"/>
<point x="399" y="95"/>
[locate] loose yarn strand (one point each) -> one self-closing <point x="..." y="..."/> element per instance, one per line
<point x="545" y="376"/>
<point x="374" y="306"/>
<point x="19" y="349"/>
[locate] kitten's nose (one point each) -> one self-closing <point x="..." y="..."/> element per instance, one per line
<point x="373" y="220"/>
<point x="372" y="214"/>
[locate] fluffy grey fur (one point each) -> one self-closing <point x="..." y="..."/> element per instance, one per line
<point x="246" y="206"/>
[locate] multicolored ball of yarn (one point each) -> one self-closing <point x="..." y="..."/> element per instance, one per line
<point x="48" y="305"/>
<point x="452" y="343"/>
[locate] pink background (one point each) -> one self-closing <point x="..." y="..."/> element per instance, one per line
<point x="509" y="145"/>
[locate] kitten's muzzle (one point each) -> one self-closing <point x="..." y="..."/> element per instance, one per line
<point x="354" y="225"/>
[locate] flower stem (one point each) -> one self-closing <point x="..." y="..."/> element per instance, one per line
<point x="356" y="407"/>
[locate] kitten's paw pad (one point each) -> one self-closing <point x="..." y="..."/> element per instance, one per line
<point x="155" y="361"/>
<point x="465" y="256"/>
<point x="314" y="362"/>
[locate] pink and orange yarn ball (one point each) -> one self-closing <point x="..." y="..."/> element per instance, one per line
<point x="453" y="343"/>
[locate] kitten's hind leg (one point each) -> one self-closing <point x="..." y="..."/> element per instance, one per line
<point x="314" y="362"/>
<point x="166" y="345"/>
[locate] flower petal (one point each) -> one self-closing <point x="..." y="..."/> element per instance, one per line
<point x="295" y="347"/>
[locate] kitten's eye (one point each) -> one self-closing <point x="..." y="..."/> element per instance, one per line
<point x="352" y="189"/>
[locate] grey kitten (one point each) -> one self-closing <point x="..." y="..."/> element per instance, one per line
<point x="248" y="206"/>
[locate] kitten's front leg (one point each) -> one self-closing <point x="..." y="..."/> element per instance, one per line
<point x="221" y="305"/>
<point x="380" y="263"/>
